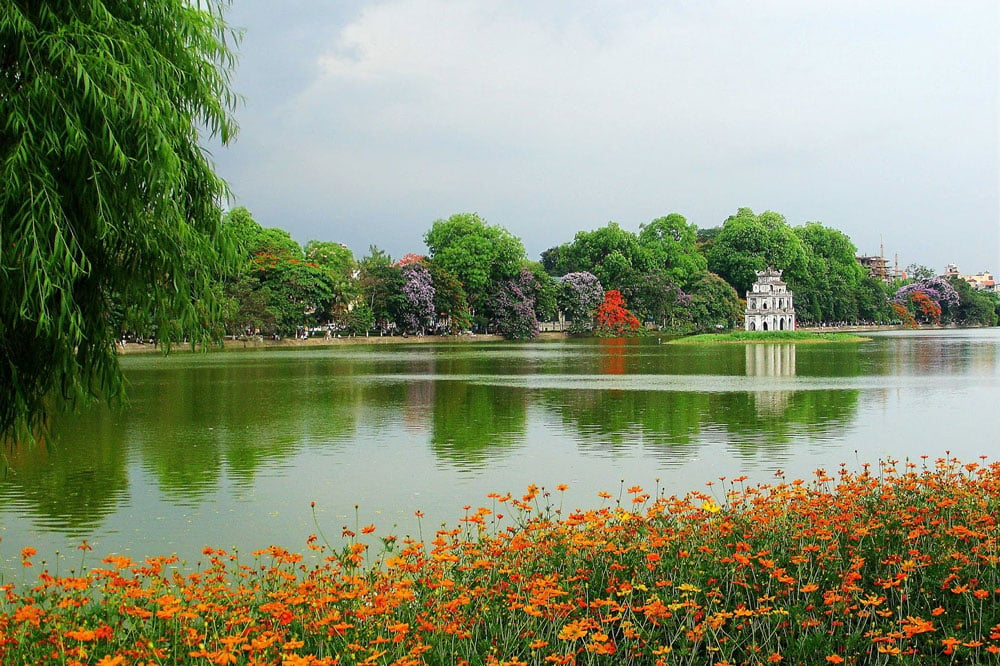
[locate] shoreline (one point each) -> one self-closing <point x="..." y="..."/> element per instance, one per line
<point x="131" y="348"/>
<point x="228" y="345"/>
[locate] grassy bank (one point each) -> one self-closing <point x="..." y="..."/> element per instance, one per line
<point x="768" y="336"/>
<point x="893" y="564"/>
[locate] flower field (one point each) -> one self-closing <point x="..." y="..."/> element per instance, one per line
<point x="897" y="563"/>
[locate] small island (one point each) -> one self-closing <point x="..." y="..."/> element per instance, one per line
<point x="756" y="337"/>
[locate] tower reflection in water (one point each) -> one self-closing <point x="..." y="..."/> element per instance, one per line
<point x="771" y="360"/>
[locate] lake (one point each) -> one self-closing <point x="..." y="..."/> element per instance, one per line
<point x="231" y="449"/>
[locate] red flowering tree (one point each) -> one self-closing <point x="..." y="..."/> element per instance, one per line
<point x="613" y="318"/>
<point x="927" y="308"/>
<point x="905" y="316"/>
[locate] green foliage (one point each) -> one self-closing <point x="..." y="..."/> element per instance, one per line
<point x="544" y="290"/>
<point x="381" y="286"/>
<point x="360" y="319"/>
<point x="975" y="308"/>
<point x="828" y="288"/>
<point x="242" y="229"/>
<point x="749" y="243"/>
<point x="301" y="295"/>
<point x="714" y="304"/>
<point x="337" y="261"/>
<point x="474" y="251"/>
<point x="449" y="300"/>
<point x="670" y="247"/>
<point x="611" y="253"/>
<point x="655" y="297"/>
<point x="107" y="196"/>
<point x="251" y="311"/>
<point x="919" y="272"/>
<point x="874" y="302"/>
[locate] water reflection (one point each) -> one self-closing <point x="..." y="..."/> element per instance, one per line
<point x="70" y="488"/>
<point x="473" y="423"/>
<point x="766" y="360"/>
<point x="220" y="430"/>
<point x="614" y="419"/>
<point x="233" y="420"/>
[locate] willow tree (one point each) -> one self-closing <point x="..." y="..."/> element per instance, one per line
<point x="109" y="199"/>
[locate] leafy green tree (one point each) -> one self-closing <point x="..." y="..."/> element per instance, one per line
<point x="337" y="261"/>
<point x="251" y="311"/>
<point x="302" y="295"/>
<point x="449" y="300"/>
<point x="381" y="286"/>
<point x="874" y="304"/>
<point x="107" y="196"/>
<point x="829" y="287"/>
<point x="714" y="304"/>
<point x="242" y="229"/>
<point x="550" y="259"/>
<point x="749" y="243"/>
<point x="611" y="253"/>
<point x="706" y="238"/>
<point x="544" y="291"/>
<point x="273" y="246"/>
<point x="919" y="272"/>
<point x="975" y="308"/>
<point x="670" y="246"/>
<point x="476" y="252"/>
<point x="360" y="319"/>
<point x="655" y="297"/>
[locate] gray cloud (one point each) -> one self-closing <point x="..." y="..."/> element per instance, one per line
<point x="366" y="123"/>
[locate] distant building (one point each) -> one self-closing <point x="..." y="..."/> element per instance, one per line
<point x="982" y="280"/>
<point x="878" y="266"/>
<point x="769" y="304"/>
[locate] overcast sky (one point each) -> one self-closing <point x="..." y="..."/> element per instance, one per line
<point x="364" y="122"/>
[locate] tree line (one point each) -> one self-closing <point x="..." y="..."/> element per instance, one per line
<point x="669" y="275"/>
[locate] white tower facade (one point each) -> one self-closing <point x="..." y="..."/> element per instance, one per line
<point x="769" y="304"/>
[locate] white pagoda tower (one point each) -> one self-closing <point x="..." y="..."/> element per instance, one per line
<point x="769" y="304"/>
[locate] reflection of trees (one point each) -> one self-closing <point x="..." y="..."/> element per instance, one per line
<point x="473" y="421"/>
<point x="75" y="480"/>
<point x="613" y="355"/>
<point x="755" y="420"/>
<point x="192" y="423"/>
<point x="621" y="418"/>
<point x="930" y="353"/>
<point x="616" y="418"/>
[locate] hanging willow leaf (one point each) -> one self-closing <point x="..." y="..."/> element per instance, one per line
<point x="108" y="199"/>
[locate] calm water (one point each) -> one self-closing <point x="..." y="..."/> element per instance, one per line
<point x="230" y="449"/>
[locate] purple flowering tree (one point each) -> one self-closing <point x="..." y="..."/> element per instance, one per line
<point x="654" y="297"/>
<point x="512" y="307"/>
<point x="938" y="289"/>
<point x="418" y="290"/>
<point x="579" y="295"/>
